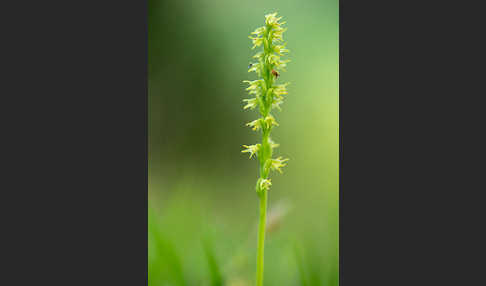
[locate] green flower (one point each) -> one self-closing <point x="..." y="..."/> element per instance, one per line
<point x="250" y="103"/>
<point x="280" y="49"/>
<point x="256" y="86"/>
<point x="256" y="41"/>
<point x="265" y="184"/>
<point x="259" y="55"/>
<point x="269" y="121"/>
<point x="252" y="149"/>
<point x="280" y="89"/>
<point x="259" y="32"/>
<point x="271" y="19"/>
<point x="278" y="163"/>
<point x="255" y="124"/>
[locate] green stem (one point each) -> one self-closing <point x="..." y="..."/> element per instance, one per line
<point x="261" y="237"/>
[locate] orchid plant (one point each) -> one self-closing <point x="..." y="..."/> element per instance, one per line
<point x="267" y="96"/>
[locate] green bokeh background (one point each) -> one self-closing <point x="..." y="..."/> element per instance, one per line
<point x="203" y="208"/>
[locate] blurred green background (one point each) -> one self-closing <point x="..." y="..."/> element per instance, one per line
<point x="203" y="208"/>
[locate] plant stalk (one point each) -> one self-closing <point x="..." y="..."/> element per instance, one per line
<point x="261" y="237"/>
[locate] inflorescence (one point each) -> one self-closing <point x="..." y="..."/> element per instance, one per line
<point x="267" y="95"/>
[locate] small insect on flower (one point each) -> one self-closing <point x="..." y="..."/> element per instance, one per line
<point x="275" y="73"/>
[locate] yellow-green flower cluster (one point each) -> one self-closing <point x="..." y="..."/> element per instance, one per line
<point x="266" y="94"/>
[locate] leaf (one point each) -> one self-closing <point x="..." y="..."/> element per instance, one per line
<point x="214" y="268"/>
<point x="164" y="264"/>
